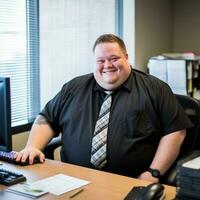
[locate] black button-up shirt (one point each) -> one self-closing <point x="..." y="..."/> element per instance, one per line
<point x="143" y="110"/>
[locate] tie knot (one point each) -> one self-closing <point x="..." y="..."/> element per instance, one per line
<point x="108" y="92"/>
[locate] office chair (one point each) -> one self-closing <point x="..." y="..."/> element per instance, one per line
<point x="191" y="107"/>
<point x="51" y="147"/>
<point x="191" y="142"/>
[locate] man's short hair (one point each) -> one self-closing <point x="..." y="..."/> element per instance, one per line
<point x="110" y="38"/>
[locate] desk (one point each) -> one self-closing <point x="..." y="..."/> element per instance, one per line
<point x="103" y="185"/>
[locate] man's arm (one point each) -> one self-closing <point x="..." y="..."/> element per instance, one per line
<point x="40" y="135"/>
<point x="167" y="152"/>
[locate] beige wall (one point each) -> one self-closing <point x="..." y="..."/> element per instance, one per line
<point x="163" y="26"/>
<point x="19" y="142"/>
<point x="187" y="26"/>
<point x="153" y="29"/>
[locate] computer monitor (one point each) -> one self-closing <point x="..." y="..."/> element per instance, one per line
<point x="5" y="115"/>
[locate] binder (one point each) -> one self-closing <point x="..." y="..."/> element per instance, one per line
<point x="188" y="177"/>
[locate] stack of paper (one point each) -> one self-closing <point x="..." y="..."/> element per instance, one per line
<point x="59" y="184"/>
<point x="188" y="177"/>
<point x="176" y="73"/>
<point x="26" y="190"/>
<point x="158" y="68"/>
<point x="56" y="185"/>
<point x="172" y="71"/>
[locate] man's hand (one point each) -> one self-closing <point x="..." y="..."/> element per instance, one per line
<point x="148" y="177"/>
<point x="29" y="153"/>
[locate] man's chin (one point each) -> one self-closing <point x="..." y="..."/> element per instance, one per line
<point x="110" y="81"/>
<point x="109" y="85"/>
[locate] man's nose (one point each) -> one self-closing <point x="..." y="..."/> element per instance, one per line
<point x="108" y="63"/>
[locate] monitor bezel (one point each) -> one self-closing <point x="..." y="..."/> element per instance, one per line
<point x="5" y="114"/>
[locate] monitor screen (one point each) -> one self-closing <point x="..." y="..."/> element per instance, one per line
<point x="5" y="115"/>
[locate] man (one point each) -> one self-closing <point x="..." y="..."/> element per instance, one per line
<point x="145" y="125"/>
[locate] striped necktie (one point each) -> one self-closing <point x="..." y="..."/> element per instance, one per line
<point x="99" y="141"/>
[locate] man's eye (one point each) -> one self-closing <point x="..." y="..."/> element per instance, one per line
<point x="100" y="61"/>
<point x="114" y="59"/>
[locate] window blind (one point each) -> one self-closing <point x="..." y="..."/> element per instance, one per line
<point x="19" y="57"/>
<point x="68" y="30"/>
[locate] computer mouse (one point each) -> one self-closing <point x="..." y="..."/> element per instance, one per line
<point x="154" y="191"/>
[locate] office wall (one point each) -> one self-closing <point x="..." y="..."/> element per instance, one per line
<point x="153" y="29"/>
<point x="187" y="26"/>
<point x="64" y="27"/>
<point x="19" y="141"/>
<point x="165" y="26"/>
<point x="129" y="29"/>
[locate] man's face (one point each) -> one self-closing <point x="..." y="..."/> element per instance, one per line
<point x="112" y="67"/>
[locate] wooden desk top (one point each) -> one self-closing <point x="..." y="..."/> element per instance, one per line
<point x="103" y="185"/>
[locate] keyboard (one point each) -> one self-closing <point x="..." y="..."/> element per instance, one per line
<point x="9" y="157"/>
<point x="8" y="177"/>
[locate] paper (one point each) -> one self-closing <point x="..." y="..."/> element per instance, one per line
<point x="176" y="72"/>
<point x="27" y="190"/>
<point x="194" y="163"/>
<point x="158" y="68"/>
<point x="59" y="184"/>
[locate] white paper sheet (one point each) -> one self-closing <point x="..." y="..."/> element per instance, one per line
<point x="158" y="68"/>
<point x="194" y="163"/>
<point x="59" y="184"/>
<point x="176" y="73"/>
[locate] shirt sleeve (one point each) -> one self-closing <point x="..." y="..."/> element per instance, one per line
<point x="171" y="113"/>
<point x="52" y="109"/>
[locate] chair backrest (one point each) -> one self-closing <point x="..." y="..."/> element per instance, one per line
<point x="191" y="107"/>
